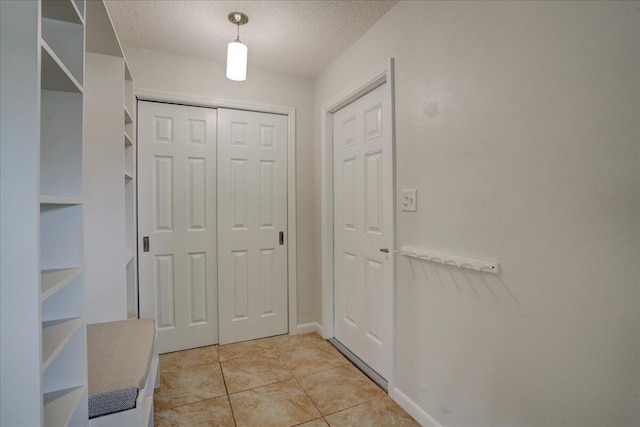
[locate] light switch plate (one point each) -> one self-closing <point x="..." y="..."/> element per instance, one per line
<point x="409" y="200"/>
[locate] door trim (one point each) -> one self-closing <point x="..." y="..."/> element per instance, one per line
<point x="376" y="78"/>
<point x="290" y="112"/>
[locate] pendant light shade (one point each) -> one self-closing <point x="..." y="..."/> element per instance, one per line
<point x="237" y="51"/>
<point x="237" y="61"/>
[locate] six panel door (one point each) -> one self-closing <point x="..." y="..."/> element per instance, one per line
<point x="177" y="212"/>
<point x="252" y="200"/>
<point x="363" y="224"/>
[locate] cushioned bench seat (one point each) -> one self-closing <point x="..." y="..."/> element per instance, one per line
<point x="119" y="355"/>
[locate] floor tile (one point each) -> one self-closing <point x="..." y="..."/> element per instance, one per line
<point x="189" y="385"/>
<point x="254" y="371"/>
<point x="259" y="375"/>
<point x="187" y="358"/>
<point x="378" y="412"/>
<point x="208" y="413"/>
<point x="246" y="348"/>
<point x="280" y="404"/>
<point x="320" y="422"/>
<point x="339" y="388"/>
<point x="301" y="339"/>
<point x="311" y="357"/>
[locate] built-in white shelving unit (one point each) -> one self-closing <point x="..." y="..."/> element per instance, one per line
<point x="111" y="267"/>
<point x="43" y="78"/>
<point x="130" y="193"/>
<point x="63" y="334"/>
<point x="64" y="81"/>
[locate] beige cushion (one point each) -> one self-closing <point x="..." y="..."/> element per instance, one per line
<point x="119" y="355"/>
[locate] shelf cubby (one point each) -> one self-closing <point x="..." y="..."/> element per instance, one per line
<point x="55" y="335"/>
<point x="128" y="160"/>
<point x="66" y="40"/>
<point x="132" y="289"/>
<point x="129" y="204"/>
<point x="66" y="302"/>
<point x="61" y="406"/>
<point x="80" y="6"/>
<point x="127" y="116"/>
<point x="61" y="144"/>
<point x="60" y="236"/>
<point x="52" y="281"/>
<point x="54" y="73"/>
<point x="62" y="10"/>
<point x="68" y="366"/>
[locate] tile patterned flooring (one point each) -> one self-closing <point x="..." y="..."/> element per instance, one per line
<point x="288" y="380"/>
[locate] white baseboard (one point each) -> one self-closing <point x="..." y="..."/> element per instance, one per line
<point x="413" y="409"/>
<point x="305" y="328"/>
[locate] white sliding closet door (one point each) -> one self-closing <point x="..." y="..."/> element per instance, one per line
<point x="177" y="212"/>
<point x="252" y="201"/>
<point x="363" y="229"/>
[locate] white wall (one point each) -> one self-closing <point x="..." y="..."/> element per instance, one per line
<point x="518" y="124"/>
<point x="194" y="77"/>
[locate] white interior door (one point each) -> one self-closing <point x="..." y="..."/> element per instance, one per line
<point x="252" y="200"/>
<point x="177" y="212"/>
<point x="363" y="229"/>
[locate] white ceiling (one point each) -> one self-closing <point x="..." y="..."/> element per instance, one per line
<point x="293" y="37"/>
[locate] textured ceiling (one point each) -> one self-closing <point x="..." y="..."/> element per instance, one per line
<point x="293" y="37"/>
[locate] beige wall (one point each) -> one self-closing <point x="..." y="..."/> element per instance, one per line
<point x="194" y="77"/>
<point x="518" y="124"/>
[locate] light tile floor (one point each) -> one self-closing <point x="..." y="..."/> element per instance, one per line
<point x="289" y="380"/>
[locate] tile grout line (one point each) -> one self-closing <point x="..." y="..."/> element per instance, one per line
<point x="186" y="404"/>
<point x="351" y="407"/>
<point x="310" y="399"/>
<point x="344" y="409"/>
<point x="226" y="390"/>
<point x="197" y="401"/>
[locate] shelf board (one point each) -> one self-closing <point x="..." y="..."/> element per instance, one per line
<point x="127" y="116"/>
<point x="127" y="176"/>
<point x="52" y="281"/>
<point x="129" y="257"/>
<point x="127" y="140"/>
<point x="60" y="405"/>
<point x="62" y="10"/>
<point x="55" y="335"/>
<point x="55" y="75"/>
<point x="60" y="200"/>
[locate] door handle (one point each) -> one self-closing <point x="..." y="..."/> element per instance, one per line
<point x="145" y="243"/>
<point x="281" y="238"/>
<point x="386" y="251"/>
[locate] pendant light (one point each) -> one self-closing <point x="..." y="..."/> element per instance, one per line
<point x="237" y="51"/>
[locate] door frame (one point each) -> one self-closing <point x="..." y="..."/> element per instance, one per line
<point x="290" y="112"/>
<point x="374" y="79"/>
